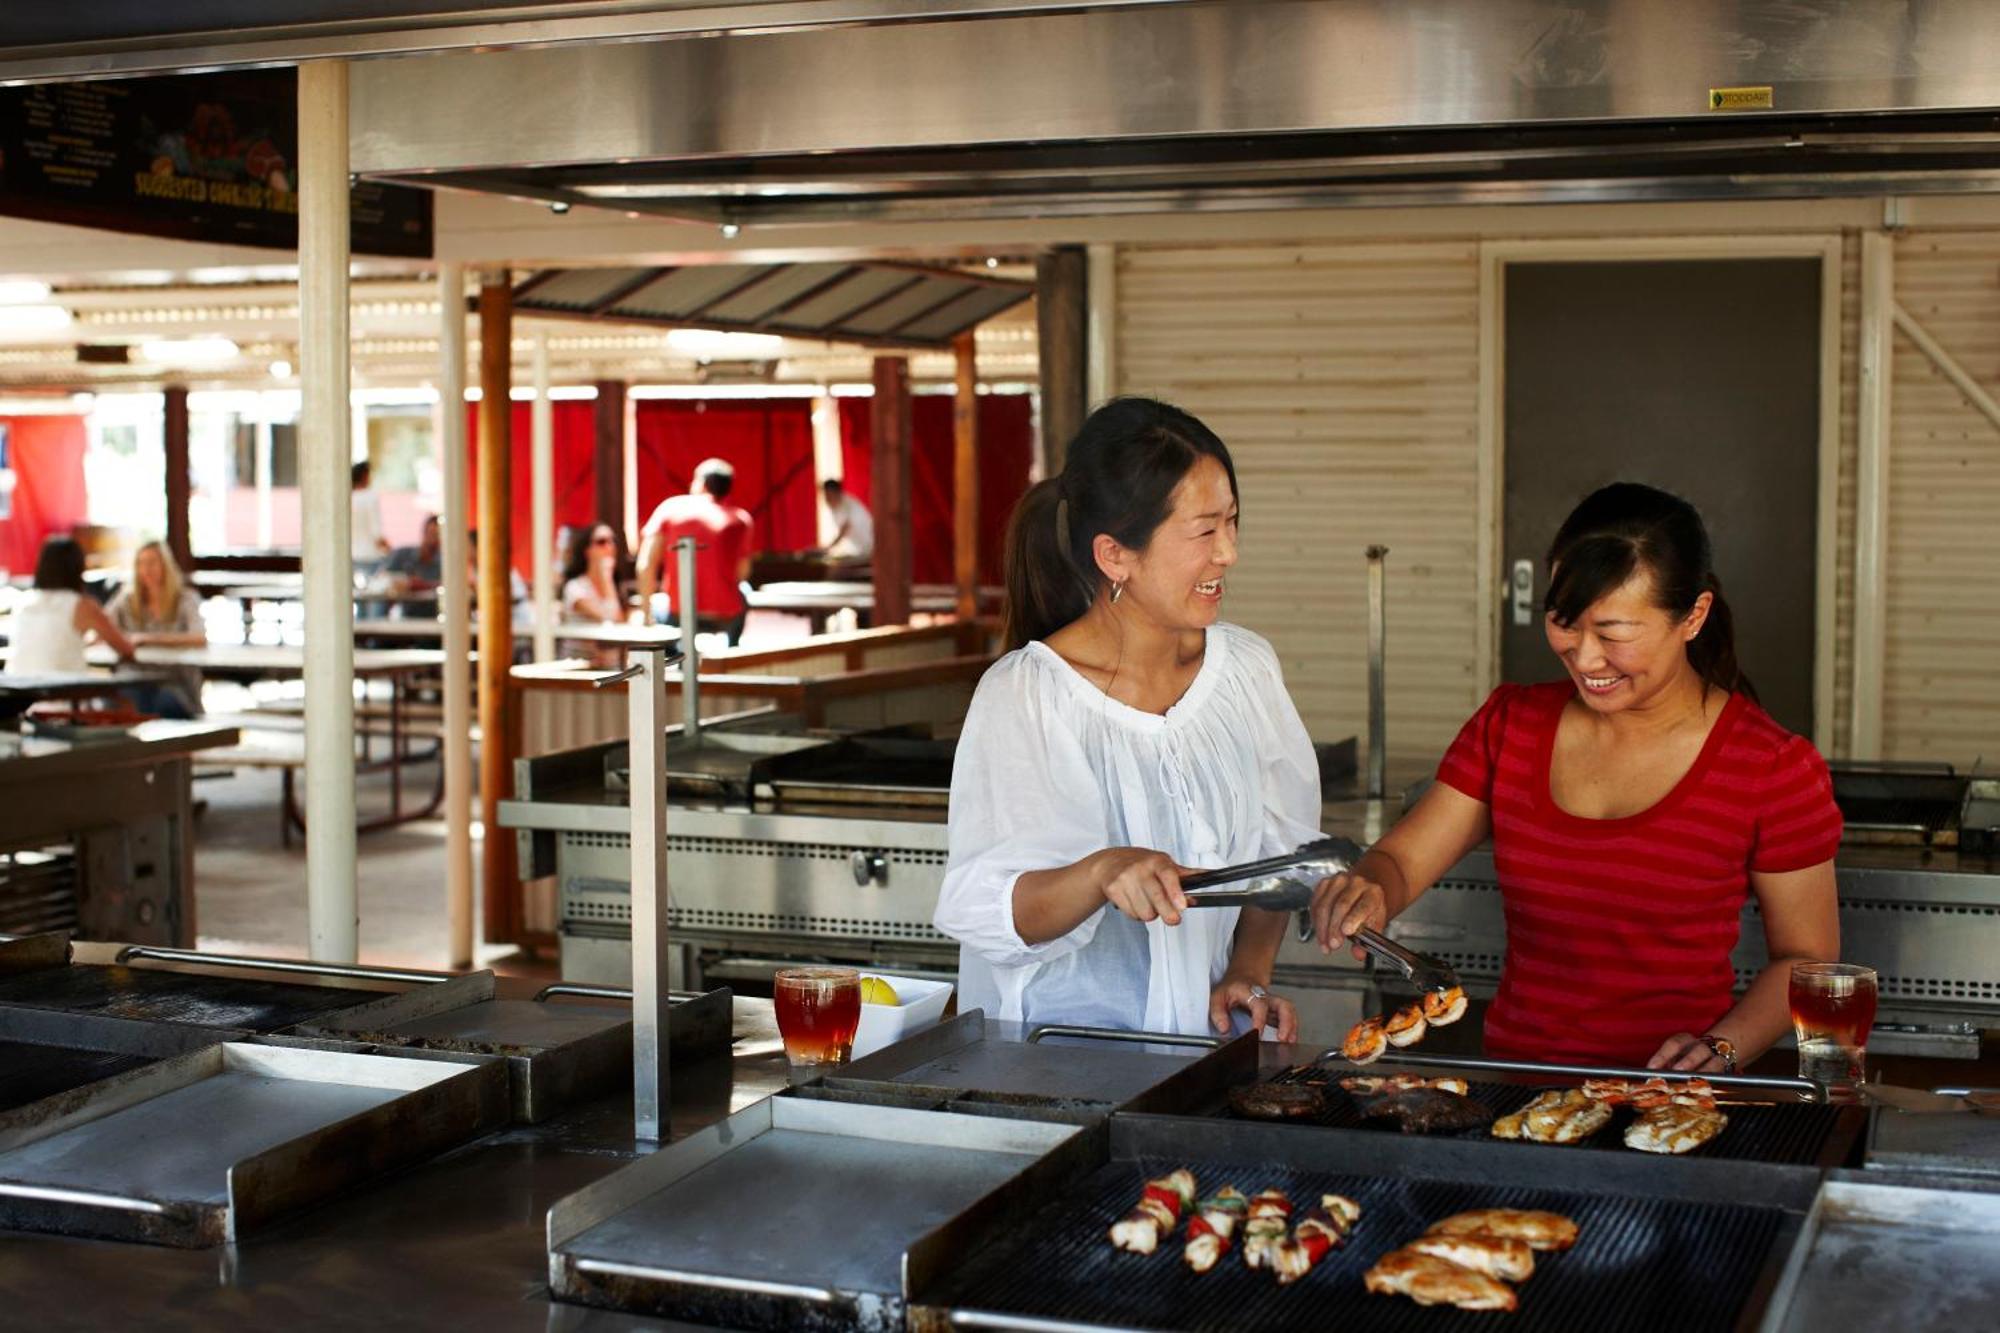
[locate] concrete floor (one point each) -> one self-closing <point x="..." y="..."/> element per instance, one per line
<point x="250" y="889"/>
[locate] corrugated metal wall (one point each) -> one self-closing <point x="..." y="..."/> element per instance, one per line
<point x="1940" y="697"/>
<point x="1344" y="378"/>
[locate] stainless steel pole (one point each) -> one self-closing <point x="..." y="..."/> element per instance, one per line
<point x="1378" y="708"/>
<point x="684" y="607"/>
<point x="455" y="597"/>
<point x="332" y="918"/>
<point x="541" y="467"/>
<point x="647" y="785"/>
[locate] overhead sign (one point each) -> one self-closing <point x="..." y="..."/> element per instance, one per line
<point x="204" y="157"/>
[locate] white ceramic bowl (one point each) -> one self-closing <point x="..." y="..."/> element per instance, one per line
<point x="922" y="1005"/>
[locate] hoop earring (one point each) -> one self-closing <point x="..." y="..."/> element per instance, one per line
<point x="1117" y="591"/>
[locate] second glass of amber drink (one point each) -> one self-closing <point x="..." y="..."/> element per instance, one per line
<point x="1833" y="1008"/>
<point x="819" y="1009"/>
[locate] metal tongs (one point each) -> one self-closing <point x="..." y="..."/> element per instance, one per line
<point x="1285" y="884"/>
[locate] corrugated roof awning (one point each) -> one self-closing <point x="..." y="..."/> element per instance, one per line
<point x="876" y="303"/>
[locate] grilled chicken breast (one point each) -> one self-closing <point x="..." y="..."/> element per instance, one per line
<point x="1555" y="1117"/>
<point x="1541" y="1230"/>
<point x="1674" y="1128"/>
<point x="1429" y="1280"/>
<point x="1503" y="1257"/>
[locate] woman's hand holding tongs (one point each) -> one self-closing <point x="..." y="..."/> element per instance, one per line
<point x="1145" y="885"/>
<point x="1344" y="904"/>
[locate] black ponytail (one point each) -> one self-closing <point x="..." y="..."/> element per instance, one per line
<point x="1624" y="528"/>
<point x="1118" y="479"/>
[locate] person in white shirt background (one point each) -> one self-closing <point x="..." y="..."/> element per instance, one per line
<point x="1130" y="737"/>
<point x="853" y="525"/>
<point x="365" y="511"/>
<point x="51" y="627"/>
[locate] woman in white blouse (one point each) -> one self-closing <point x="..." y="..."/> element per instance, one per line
<point x="1129" y="738"/>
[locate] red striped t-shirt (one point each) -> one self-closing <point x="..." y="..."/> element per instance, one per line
<point x="1619" y="931"/>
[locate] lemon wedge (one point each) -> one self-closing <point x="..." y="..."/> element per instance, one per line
<point x="874" y="990"/>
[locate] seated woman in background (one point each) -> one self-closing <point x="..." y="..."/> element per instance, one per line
<point x="158" y="608"/>
<point x="50" y="627"/>
<point x="591" y="591"/>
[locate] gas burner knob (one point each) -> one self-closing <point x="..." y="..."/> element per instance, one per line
<point x="869" y="867"/>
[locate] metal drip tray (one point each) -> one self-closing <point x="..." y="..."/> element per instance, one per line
<point x="872" y="770"/>
<point x="558" y="1052"/>
<point x="1091" y="1071"/>
<point x="198" y="1149"/>
<point x="168" y="996"/>
<point x="1893" y="1256"/>
<point x="789" y="1214"/>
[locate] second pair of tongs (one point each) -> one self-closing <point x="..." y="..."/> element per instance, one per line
<point x="1279" y="883"/>
<point x="1285" y="883"/>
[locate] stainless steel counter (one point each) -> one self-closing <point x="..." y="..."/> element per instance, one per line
<point x="458" y="1242"/>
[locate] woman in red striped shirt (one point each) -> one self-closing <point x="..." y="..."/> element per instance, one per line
<point x="1631" y="807"/>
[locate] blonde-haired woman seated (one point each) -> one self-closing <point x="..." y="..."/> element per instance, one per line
<point x="157" y="608"/>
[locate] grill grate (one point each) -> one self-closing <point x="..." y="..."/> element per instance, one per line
<point x="1638" y="1263"/>
<point x="176" y="997"/>
<point x="30" y="1072"/>
<point x="1786" y="1135"/>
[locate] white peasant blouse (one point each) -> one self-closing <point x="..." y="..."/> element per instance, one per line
<point x="1050" y="769"/>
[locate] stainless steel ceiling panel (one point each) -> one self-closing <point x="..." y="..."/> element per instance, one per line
<point x="1164" y="71"/>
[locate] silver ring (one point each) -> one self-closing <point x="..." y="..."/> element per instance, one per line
<point x="1259" y="993"/>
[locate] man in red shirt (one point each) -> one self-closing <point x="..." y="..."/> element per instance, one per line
<point x="722" y="554"/>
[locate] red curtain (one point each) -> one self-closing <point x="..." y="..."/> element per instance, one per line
<point x="1006" y="445"/>
<point x="573" y="435"/>
<point x="768" y="442"/>
<point x="46" y="454"/>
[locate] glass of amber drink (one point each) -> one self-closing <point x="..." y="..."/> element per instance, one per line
<point x="1833" y="1008"/>
<point x="819" y="1009"/>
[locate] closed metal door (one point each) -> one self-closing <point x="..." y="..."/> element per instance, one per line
<point x="1697" y="376"/>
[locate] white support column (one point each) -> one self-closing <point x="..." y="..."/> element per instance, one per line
<point x="263" y="472"/>
<point x="333" y="919"/>
<point x="542" y="484"/>
<point x="1101" y="325"/>
<point x="1871" y="495"/>
<point x="455" y="588"/>
<point x="630" y="454"/>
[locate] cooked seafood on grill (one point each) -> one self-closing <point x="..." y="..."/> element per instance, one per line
<point x="1269" y="1212"/>
<point x="1555" y="1117"/>
<point x="1427" y="1111"/>
<point x="1429" y="1280"/>
<point x="1541" y="1230"/>
<point x="1444" y="1006"/>
<point x="1158" y="1210"/>
<point x="1365" y="1042"/>
<point x="1674" y="1128"/>
<point x="1406" y="1027"/>
<point x="1278" y="1101"/>
<point x="1322" y="1229"/>
<point x="1503" y="1257"/>
<point x="1368" y="1084"/>
<point x="1215" y="1220"/>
